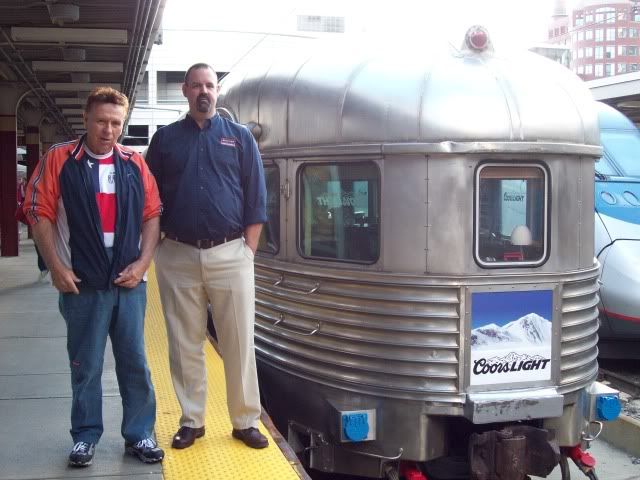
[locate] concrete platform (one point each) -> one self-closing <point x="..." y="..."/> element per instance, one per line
<point x="35" y="390"/>
<point x="35" y="396"/>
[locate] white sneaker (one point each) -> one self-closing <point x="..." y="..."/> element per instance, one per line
<point x="82" y="454"/>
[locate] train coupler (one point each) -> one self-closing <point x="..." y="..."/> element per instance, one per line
<point x="583" y="460"/>
<point x="512" y="453"/>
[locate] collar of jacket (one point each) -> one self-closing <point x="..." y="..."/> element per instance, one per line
<point x="77" y="150"/>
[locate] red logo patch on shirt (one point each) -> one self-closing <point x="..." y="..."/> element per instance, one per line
<point x="228" y="141"/>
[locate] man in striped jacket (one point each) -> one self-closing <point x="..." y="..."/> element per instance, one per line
<point x="95" y="209"/>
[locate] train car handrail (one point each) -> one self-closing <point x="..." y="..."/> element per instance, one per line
<point x="280" y="283"/>
<point x="279" y="323"/>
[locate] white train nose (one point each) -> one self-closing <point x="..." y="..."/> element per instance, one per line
<point x="620" y="290"/>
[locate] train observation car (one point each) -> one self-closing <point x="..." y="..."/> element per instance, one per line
<point x="426" y="285"/>
<point x="617" y="234"/>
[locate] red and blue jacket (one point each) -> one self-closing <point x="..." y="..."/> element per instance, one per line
<point x="61" y="190"/>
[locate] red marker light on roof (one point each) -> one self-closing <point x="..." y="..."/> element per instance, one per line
<point x="477" y="38"/>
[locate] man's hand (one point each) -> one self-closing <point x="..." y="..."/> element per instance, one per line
<point x="64" y="280"/>
<point x="252" y="236"/>
<point x="132" y="275"/>
<point x="252" y="247"/>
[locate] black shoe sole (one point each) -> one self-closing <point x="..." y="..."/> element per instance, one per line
<point x="80" y="465"/>
<point x="134" y="453"/>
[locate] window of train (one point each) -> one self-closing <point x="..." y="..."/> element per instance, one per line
<point x="621" y="146"/>
<point x="270" y="236"/>
<point x="340" y="212"/>
<point x="511" y="215"/>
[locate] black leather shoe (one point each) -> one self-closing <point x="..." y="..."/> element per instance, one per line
<point x="186" y="436"/>
<point x="251" y="437"/>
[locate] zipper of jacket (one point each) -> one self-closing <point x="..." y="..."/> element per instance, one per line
<point x="94" y="210"/>
<point x="119" y="180"/>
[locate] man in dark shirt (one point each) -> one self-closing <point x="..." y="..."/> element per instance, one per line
<point x="211" y="182"/>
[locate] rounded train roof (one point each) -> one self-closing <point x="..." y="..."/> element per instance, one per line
<point x="344" y="95"/>
<point x="610" y="118"/>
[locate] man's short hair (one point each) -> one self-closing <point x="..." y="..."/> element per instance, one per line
<point x="106" y="95"/>
<point x="198" y="66"/>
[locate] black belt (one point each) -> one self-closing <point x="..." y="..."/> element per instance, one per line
<point x="207" y="242"/>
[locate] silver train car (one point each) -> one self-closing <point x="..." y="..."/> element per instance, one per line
<point x="617" y="234"/>
<point x="426" y="286"/>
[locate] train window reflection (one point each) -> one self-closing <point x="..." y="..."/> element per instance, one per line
<point x="604" y="167"/>
<point x="340" y="212"/>
<point x="623" y="146"/>
<point x="270" y="236"/>
<point x="511" y="213"/>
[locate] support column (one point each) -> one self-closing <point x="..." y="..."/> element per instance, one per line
<point x="9" y="97"/>
<point x="47" y="135"/>
<point x="32" y="118"/>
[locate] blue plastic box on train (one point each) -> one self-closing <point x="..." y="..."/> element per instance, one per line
<point x="427" y="292"/>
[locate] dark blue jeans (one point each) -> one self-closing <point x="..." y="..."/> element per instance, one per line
<point x="91" y="316"/>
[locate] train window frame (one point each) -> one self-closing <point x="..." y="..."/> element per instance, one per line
<point x="545" y="237"/>
<point x="278" y="231"/>
<point x="300" y="210"/>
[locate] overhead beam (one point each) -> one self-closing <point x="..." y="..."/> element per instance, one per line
<point x="70" y="101"/>
<point x="69" y="35"/>
<point x="78" y="87"/>
<point x="618" y="86"/>
<point x="54" y="66"/>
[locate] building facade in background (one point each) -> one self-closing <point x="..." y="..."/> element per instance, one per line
<point x="603" y="36"/>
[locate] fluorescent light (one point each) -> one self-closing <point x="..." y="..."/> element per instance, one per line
<point x="68" y="35"/>
<point x="629" y="104"/>
<point x="70" y="101"/>
<point x="47" y="66"/>
<point x="78" y="87"/>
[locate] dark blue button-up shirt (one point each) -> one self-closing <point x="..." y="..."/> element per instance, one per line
<point x="211" y="180"/>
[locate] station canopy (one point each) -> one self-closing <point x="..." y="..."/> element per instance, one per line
<point x="61" y="49"/>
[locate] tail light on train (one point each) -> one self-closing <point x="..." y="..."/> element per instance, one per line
<point x="477" y="38"/>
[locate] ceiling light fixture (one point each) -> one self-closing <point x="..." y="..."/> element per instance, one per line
<point x="54" y="66"/>
<point x="77" y="87"/>
<point x="68" y="35"/>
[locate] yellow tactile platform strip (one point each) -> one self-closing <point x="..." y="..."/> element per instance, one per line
<point x="216" y="455"/>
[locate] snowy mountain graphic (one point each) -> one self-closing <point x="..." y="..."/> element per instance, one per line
<point x="513" y="357"/>
<point x="531" y="329"/>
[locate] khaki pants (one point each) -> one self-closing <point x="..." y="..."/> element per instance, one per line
<point x="189" y="279"/>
